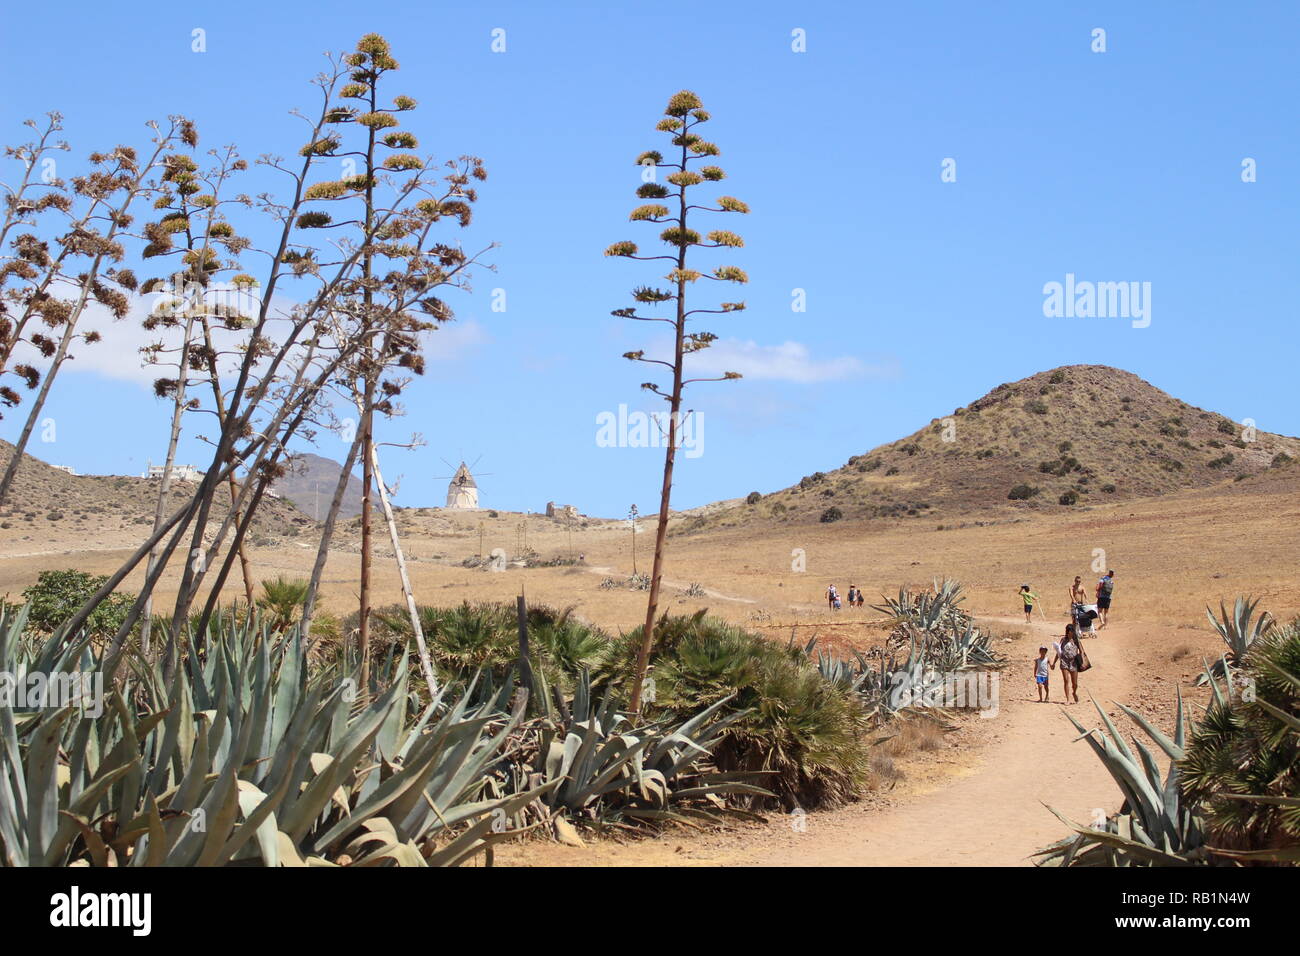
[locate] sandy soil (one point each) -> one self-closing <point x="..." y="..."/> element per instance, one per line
<point x="980" y="806"/>
<point x="977" y="800"/>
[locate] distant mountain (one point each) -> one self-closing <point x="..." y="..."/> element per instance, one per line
<point x="310" y="486"/>
<point x="1058" y="440"/>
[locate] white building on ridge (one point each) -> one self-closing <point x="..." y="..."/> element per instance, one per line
<point x="179" y="472"/>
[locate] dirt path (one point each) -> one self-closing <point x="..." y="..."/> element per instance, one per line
<point x="994" y="814"/>
<point x="988" y="811"/>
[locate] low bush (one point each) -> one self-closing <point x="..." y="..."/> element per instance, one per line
<point x="57" y="595"/>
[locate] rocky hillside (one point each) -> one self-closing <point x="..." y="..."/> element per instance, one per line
<point x="1062" y="439"/>
<point x="45" y="499"/>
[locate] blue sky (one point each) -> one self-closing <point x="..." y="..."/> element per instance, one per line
<point x="921" y="294"/>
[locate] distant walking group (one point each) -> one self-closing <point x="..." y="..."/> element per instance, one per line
<point x="1069" y="653"/>
<point x="855" y="598"/>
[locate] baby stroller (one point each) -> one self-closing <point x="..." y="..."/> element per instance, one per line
<point x="1084" y="615"/>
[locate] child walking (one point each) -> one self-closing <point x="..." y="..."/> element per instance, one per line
<point x="1027" y="598"/>
<point x="1041" y="666"/>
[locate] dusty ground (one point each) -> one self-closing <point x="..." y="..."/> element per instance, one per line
<point x="977" y="800"/>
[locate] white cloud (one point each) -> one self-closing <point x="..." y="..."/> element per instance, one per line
<point x="117" y="353"/>
<point x="454" y="339"/>
<point x="787" y="362"/>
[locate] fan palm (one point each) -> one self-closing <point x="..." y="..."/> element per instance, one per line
<point x="283" y="599"/>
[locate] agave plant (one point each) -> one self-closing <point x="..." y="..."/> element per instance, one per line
<point x="1155" y="826"/>
<point x="242" y="758"/>
<point x="1239" y="631"/>
<point x="607" y="767"/>
<point x="958" y="649"/>
<point x="927" y="610"/>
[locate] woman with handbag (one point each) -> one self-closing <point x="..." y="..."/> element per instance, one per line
<point x="1072" y="659"/>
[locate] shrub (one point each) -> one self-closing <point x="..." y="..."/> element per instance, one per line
<point x="1222" y="461"/>
<point x="282" y="598"/>
<point x="57" y="595"/>
<point x="1226" y="427"/>
<point x="1108" y="488"/>
<point x="1069" y="498"/>
<point x="470" y="640"/>
<point x="807" y="735"/>
<point x="1022" y="492"/>
<point x="753" y="498"/>
<point x="1250" y="747"/>
<point x="831" y="514"/>
<point x="1057" y="377"/>
<point x="891" y="471"/>
<point x="1280" y="459"/>
<point x="1036" y="407"/>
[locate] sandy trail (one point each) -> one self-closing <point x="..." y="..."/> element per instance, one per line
<point x="989" y="812"/>
<point x="993" y="815"/>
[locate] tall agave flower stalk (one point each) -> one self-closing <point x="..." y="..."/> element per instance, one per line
<point x="682" y="118"/>
<point x="59" y="289"/>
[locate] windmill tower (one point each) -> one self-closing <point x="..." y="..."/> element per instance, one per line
<point x="462" y="491"/>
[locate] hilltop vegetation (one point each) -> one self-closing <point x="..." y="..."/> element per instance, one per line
<point x="1063" y="438"/>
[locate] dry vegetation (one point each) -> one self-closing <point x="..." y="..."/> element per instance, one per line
<point x="1073" y="437"/>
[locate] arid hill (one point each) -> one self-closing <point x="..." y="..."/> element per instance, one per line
<point x="1062" y="439"/>
<point x="47" y="503"/>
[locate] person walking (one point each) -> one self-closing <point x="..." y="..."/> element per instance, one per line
<point x="1040" y="675"/>
<point x="832" y="597"/>
<point x="1105" y="589"/>
<point x="1027" y="598"/>
<point x="1068" y="655"/>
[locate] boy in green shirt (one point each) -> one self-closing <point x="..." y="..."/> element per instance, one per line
<point x="1028" y="597"/>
